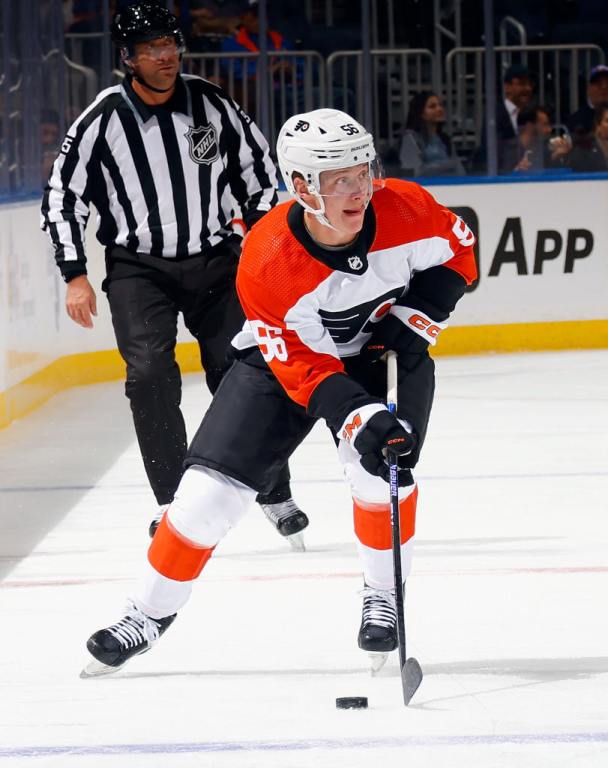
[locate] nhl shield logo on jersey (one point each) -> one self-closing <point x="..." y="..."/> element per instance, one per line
<point x="203" y="143"/>
<point x="354" y="262"/>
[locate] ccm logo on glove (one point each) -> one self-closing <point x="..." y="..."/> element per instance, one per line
<point x="397" y="443"/>
<point x="420" y="323"/>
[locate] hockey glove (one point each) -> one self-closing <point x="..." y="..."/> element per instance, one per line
<point x="392" y="335"/>
<point x="382" y="433"/>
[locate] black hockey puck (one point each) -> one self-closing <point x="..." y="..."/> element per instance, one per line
<point x="352" y="702"/>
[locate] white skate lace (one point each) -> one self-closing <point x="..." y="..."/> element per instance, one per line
<point x="379" y="607"/>
<point x="159" y="515"/>
<point x="135" y="628"/>
<point x="280" y="511"/>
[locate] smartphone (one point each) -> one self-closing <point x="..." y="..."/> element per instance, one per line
<point x="559" y="131"/>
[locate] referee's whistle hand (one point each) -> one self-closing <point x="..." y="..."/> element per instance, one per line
<point x="80" y="301"/>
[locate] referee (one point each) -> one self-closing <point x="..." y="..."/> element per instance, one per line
<point x="161" y="157"/>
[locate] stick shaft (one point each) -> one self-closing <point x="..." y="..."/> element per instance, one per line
<point x="391" y="398"/>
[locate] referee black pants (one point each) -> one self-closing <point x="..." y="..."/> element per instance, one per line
<point x="146" y="295"/>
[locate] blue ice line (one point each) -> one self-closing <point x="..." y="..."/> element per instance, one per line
<point x="294" y="746"/>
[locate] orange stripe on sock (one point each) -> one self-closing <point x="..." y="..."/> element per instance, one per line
<point x="373" y="521"/>
<point x="175" y="556"/>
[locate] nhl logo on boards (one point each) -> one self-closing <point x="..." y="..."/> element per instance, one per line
<point x="354" y="262"/>
<point x="203" y="144"/>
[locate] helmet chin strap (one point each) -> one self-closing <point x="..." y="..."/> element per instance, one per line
<point x="319" y="213"/>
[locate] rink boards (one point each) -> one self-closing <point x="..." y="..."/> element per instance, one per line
<point x="543" y="285"/>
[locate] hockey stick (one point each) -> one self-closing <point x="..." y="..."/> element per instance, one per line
<point x="411" y="673"/>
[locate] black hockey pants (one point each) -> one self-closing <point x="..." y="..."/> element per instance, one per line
<point x="146" y="294"/>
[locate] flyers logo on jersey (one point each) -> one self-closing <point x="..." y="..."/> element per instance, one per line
<point x="345" y="324"/>
<point x="269" y="341"/>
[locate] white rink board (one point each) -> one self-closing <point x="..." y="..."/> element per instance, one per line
<point x="34" y="326"/>
<point x="533" y="220"/>
<point x="34" y="329"/>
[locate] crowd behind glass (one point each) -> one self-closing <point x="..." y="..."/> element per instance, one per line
<point x="529" y="140"/>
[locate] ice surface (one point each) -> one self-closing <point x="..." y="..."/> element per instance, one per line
<point x="506" y="607"/>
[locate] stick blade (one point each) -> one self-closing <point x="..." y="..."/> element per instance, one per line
<point x="411" y="677"/>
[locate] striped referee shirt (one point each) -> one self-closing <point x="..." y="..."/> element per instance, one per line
<point x="162" y="178"/>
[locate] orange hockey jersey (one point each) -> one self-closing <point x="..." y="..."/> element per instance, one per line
<point x="307" y="307"/>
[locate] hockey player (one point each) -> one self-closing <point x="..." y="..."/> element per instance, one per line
<point x="354" y="267"/>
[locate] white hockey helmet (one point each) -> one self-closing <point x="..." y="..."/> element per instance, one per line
<point x="322" y="140"/>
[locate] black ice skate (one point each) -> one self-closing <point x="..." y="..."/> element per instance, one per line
<point x="378" y="631"/>
<point x="289" y="521"/>
<point x="135" y="633"/>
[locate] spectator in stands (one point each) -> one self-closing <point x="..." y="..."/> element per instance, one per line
<point x="246" y="39"/>
<point x="529" y="149"/>
<point x="556" y="138"/>
<point x="68" y="13"/>
<point x="593" y="156"/>
<point x="539" y="146"/>
<point x="518" y="91"/>
<point x="220" y="17"/>
<point x="285" y="72"/>
<point x="580" y="123"/>
<point x="290" y="17"/>
<point x="426" y="150"/>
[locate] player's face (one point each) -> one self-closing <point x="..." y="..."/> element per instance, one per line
<point x="346" y="193"/>
<point x="157" y="61"/>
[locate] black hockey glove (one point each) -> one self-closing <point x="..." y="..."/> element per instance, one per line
<point x="382" y="433"/>
<point x="392" y="335"/>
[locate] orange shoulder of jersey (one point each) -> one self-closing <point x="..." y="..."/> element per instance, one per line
<point x="274" y="261"/>
<point x="275" y="272"/>
<point x="406" y="212"/>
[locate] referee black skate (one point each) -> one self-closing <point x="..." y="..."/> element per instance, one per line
<point x="161" y="157"/>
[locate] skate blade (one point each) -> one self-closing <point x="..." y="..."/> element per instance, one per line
<point x="97" y="669"/>
<point x="377" y="661"/>
<point x="296" y="541"/>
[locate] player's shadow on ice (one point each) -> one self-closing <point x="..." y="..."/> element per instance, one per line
<point x="246" y="673"/>
<point x="532" y="671"/>
<point x="503" y="546"/>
